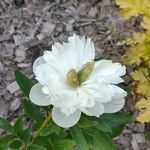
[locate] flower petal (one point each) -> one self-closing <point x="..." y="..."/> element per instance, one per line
<point x="115" y="105"/>
<point x="65" y="121"/>
<point x="96" y="110"/>
<point x="84" y="49"/>
<point x="98" y="91"/>
<point x="65" y="98"/>
<point x="80" y="49"/>
<point x="108" y="72"/>
<point x="49" y="77"/>
<point x="37" y="62"/>
<point x="38" y="97"/>
<point x="116" y="91"/>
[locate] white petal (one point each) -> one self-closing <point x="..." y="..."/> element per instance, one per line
<point x="85" y="51"/>
<point x="96" y="110"/>
<point x="49" y="77"/>
<point x="116" y="91"/>
<point x="98" y="91"/>
<point x="65" y="121"/>
<point x="65" y="98"/>
<point x="115" y="105"/>
<point x="82" y="98"/>
<point x="108" y="72"/>
<point x="117" y="101"/>
<point x="68" y="110"/>
<point x="37" y="62"/>
<point x="80" y="49"/>
<point x="37" y="97"/>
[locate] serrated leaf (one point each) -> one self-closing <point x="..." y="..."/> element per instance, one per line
<point x="4" y="124"/>
<point x="32" y="111"/>
<point x="132" y="8"/>
<point x="18" y="126"/>
<point x="24" y="83"/>
<point x="144" y="106"/>
<point x="16" y="144"/>
<point x="52" y="127"/>
<point x="79" y="138"/>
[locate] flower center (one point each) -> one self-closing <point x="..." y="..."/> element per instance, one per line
<point x="75" y="79"/>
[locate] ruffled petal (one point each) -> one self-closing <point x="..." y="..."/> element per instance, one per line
<point x="80" y="49"/>
<point x="96" y="110"/>
<point x="63" y="120"/>
<point x="64" y="98"/>
<point x="40" y="60"/>
<point x="84" y="49"/>
<point x="116" y="91"/>
<point x="117" y="101"/>
<point x="115" y="105"/>
<point x="49" y="77"/>
<point x="98" y="91"/>
<point x="38" y="97"/>
<point x="107" y="72"/>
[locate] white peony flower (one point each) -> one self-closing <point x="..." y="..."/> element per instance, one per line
<point x="71" y="81"/>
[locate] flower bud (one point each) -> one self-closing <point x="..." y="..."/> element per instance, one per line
<point x="72" y="78"/>
<point x="85" y="72"/>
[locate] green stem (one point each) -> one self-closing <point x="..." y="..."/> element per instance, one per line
<point x="44" y="124"/>
<point x="37" y="133"/>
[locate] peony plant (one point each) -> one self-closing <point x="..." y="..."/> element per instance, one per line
<point x="73" y="103"/>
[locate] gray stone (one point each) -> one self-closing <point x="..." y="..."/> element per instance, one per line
<point x="13" y="87"/>
<point x="48" y="28"/>
<point x="20" y="55"/>
<point x="15" y="105"/>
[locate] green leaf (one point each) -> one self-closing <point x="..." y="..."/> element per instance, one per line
<point x="4" y="124"/>
<point x="25" y="135"/>
<point x="24" y="83"/>
<point x="51" y="145"/>
<point x="147" y="136"/>
<point x="32" y="111"/>
<point x="41" y="140"/>
<point x="7" y="139"/>
<point x="128" y="89"/>
<point x="3" y="147"/>
<point x="64" y="144"/>
<point x="36" y="147"/>
<point x="86" y="123"/>
<point x="103" y="126"/>
<point x="98" y="140"/>
<point x="4" y="141"/>
<point x="18" y="126"/>
<point x="16" y="144"/>
<point x="116" y="121"/>
<point x="79" y="138"/>
<point x="52" y="127"/>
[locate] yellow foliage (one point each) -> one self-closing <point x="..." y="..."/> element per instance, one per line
<point x="146" y="22"/>
<point x="144" y="106"/>
<point x="143" y="87"/>
<point x="142" y="76"/>
<point x="132" y="8"/>
<point x="139" y="50"/>
<point x="139" y="53"/>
